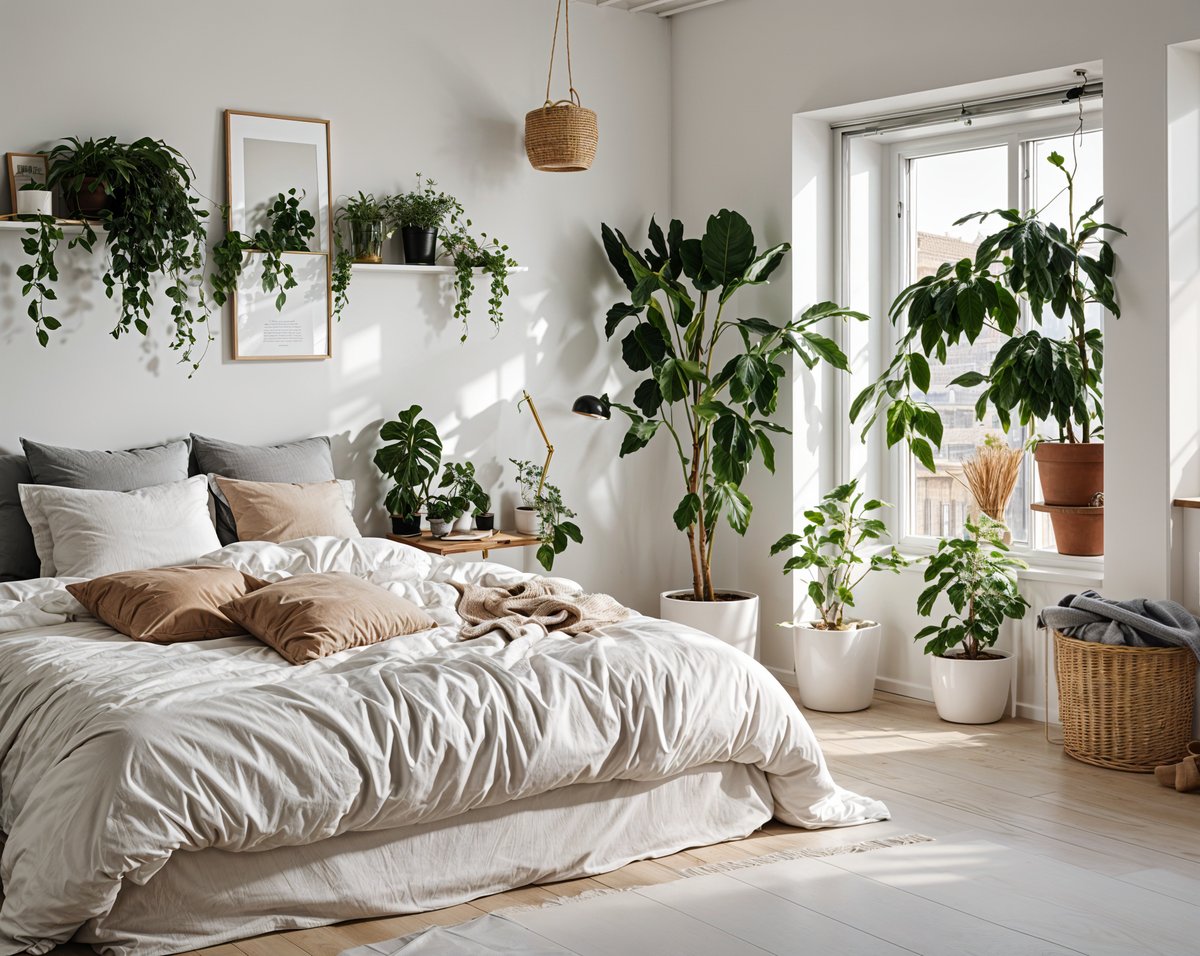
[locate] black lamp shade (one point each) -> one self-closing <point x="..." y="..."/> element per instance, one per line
<point x="590" y="406"/>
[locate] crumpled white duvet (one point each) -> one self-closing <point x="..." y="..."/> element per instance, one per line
<point x="115" y="754"/>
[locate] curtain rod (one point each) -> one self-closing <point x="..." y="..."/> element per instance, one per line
<point x="937" y="115"/>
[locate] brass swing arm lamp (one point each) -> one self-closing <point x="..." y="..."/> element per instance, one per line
<point x="528" y="399"/>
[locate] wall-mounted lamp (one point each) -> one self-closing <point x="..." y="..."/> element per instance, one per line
<point x="589" y="406"/>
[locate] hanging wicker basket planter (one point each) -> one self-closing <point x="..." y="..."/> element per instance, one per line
<point x="561" y="137"/>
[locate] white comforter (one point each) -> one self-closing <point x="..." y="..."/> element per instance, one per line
<point x="115" y="754"/>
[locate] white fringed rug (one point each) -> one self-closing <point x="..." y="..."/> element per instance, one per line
<point x="909" y="895"/>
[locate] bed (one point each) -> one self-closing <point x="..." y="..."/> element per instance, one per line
<point x="157" y="798"/>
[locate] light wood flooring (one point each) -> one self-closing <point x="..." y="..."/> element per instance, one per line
<point x="1003" y="784"/>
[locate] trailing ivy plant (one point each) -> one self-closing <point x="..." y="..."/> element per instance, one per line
<point x="555" y="529"/>
<point x="978" y="577"/>
<point x="839" y="529"/>
<point x="153" y="226"/>
<point x="711" y="381"/>
<point x="1034" y="377"/>
<point x="289" y="228"/>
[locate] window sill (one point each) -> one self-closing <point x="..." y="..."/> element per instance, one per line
<point x="1044" y="567"/>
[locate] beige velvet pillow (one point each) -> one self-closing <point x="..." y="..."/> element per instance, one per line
<point x="311" y="616"/>
<point x="274" y="511"/>
<point x="166" y="605"/>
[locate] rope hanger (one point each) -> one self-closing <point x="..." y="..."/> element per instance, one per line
<point x="573" y="93"/>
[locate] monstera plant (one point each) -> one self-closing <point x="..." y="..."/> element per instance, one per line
<point x="411" y="461"/>
<point x="710" y="378"/>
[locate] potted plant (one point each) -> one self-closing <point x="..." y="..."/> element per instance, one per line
<point x="717" y="410"/>
<point x="367" y="220"/>
<point x="464" y="486"/>
<point x="978" y="576"/>
<point x="411" y="462"/>
<point x="471" y="256"/>
<point x="153" y="227"/>
<point x="419" y="214"/>
<point x="529" y="476"/>
<point x="555" y="531"/>
<point x="34" y="199"/>
<point x="836" y="658"/>
<point x="443" y="511"/>
<point x="1036" y="379"/>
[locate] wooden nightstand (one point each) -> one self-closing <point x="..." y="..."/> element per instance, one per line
<point x="498" y="539"/>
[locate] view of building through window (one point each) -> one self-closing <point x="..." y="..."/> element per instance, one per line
<point x="941" y="189"/>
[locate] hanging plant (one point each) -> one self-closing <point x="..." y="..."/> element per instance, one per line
<point x="141" y="194"/>
<point x="468" y="254"/>
<point x="289" y="228"/>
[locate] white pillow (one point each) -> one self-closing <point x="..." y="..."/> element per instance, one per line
<point x="82" y="533"/>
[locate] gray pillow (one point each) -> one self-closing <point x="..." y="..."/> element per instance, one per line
<point x="18" y="559"/>
<point x="107" y="470"/>
<point x="299" y="461"/>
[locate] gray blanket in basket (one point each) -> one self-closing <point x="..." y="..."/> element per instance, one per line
<point x="1140" y="622"/>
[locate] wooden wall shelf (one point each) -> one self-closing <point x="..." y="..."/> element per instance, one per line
<point x="1186" y="502"/>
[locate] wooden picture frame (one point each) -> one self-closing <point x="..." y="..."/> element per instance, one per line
<point x="18" y="177"/>
<point x="266" y="154"/>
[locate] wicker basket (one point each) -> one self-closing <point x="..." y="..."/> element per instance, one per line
<point x="561" y="137"/>
<point x="1125" y="708"/>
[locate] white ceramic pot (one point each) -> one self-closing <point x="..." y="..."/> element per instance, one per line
<point x="971" y="692"/>
<point x="464" y="522"/>
<point x="439" y="528"/>
<point x="35" y="202"/>
<point x="835" y="670"/>
<point x="734" y="622"/>
<point x="526" y="520"/>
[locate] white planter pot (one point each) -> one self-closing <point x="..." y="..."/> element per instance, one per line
<point x="438" y="527"/>
<point x="835" y="670"/>
<point x="971" y="692"/>
<point x="35" y="202"/>
<point x="734" y="622"/>
<point x="526" y="520"/>
<point x="464" y="522"/>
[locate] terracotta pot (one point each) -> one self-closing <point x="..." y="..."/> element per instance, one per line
<point x="1078" y="530"/>
<point x="91" y="199"/>
<point x="1070" y="474"/>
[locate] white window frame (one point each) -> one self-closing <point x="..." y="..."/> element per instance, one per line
<point x="1019" y="138"/>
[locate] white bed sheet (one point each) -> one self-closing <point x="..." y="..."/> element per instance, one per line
<point x="118" y="756"/>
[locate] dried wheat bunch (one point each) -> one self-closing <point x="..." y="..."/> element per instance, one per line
<point x="991" y="475"/>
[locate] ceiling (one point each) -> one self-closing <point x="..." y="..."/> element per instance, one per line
<point x="663" y="8"/>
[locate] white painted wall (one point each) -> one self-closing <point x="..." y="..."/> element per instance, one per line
<point x="742" y="69"/>
<point x="441" y="88"/>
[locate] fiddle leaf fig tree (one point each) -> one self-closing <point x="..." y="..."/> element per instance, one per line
<point x="1034" y="377"/>
<point x="711" y="380"/>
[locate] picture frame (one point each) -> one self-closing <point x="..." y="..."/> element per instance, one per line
<point x="25" y="168"/>
<point x="266" y="154"/>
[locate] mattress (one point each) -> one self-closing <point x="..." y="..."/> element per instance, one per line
<point x="568" y="833"/>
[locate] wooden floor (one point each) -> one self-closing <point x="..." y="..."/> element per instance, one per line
<point x="1002" y="783"/>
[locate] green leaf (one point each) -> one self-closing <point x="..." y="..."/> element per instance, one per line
<point x="918" y="367"/>
<point x="688" y="511"/>
<point x="639" y="435"/>
<point x="727" y="246"/>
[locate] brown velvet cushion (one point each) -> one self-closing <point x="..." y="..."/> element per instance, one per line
<point x="166" y="605"/>
<point x="314" y="615"/>
<point x="276" y="511"/>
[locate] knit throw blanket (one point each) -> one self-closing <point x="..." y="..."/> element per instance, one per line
<point x="509" y="609"/>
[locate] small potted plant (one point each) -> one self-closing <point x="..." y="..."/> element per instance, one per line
<point x="529" y="476"/>
<point x="464" y="487"/>
<point x="411" y="461"/>
<point x="419" y="214"/>
<point x="368" y="222"/>
<point x="485" y="520"/>
<point x="34" y="199"/>
<point x="978" y="576"/>
<point x="443" y="511"/>
<point x="836" y="658"/>
<point x="555" y="531"/>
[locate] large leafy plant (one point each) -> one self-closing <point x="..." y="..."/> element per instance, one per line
<point x="153" y="227"/>
<point x="831" y="547"/>
<point x="978" y="577"/>
<point x="410" y="460"/>
<point x="711" y="380"/>
<point x="1034" y="377"/>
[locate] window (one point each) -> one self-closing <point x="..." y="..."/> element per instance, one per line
<point x="935" y="182"/>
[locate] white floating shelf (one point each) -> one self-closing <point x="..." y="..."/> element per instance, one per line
<point x="68" y="228"/>
<point x="429" y="270"/>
